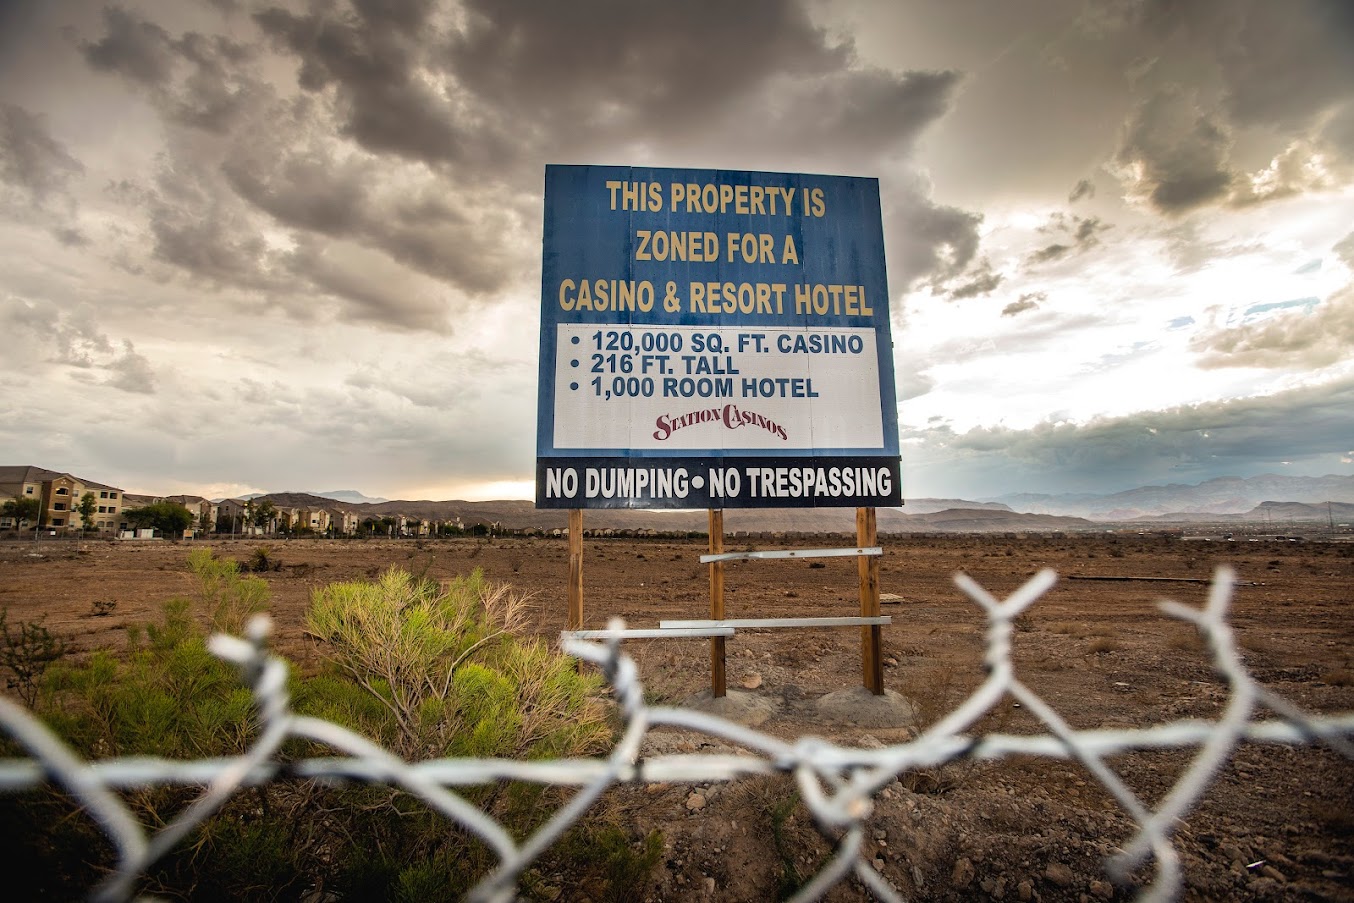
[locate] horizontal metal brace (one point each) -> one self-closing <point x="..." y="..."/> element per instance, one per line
<point x="793" y="553"/>
<point x="745" y="623"/>
<point x="648" y="633"/>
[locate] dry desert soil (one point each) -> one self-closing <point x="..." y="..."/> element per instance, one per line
<point x="1277" y="822"/>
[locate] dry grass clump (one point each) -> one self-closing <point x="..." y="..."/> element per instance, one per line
<point x="1338" y="677"/>
<point x="1102" y="644"/>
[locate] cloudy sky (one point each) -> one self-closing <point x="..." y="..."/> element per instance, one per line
<point x="265" y="246"/>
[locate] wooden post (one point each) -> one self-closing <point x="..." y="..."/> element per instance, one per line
<point x="717" y="682"/>
<point x="871" y="638"/>
<point x="576" y="569"/>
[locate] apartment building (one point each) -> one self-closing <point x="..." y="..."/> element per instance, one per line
<point x="59" y="496"/>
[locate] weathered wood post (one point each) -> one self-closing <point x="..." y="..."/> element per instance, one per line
<point x="575" y="568"/>
<point x="871" y="637"/>
<point x="717" y="680"/>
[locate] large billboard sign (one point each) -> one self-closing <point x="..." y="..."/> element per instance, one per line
<point x="714" y="339"/>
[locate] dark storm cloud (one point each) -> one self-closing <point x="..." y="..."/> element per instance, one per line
<point x="521" y="79"/>
<point x="131" y="372"/>
<point x="374" y="62"/>
<point x="981" y="281"/>
<point x="1081" y="232"/>
<point x="368" y="288"/>
<point x="1180" y="152"/>
<point x="41" y="333"/>
<point x="1027" y="301"/>
<point x="132" y="47"/>
<point x="485" y="105"/>
<point x="451" y="235"/>
<point x="217" y="90"/>
<point x="1244" y="436"/>
<point x="651" y="65"/>
<point x="30" y="158"/>
<point x="207" y="235"/>
<point x="1283" y="64"/>
<point x="1282" y="77"/>
<point x="927" y="241"/>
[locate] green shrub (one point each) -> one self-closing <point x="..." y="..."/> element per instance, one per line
<point x="450" y="677"/>
<point x="230" y="598"/>
<point x="422" y="668"/>
<point x="26" y="652"/>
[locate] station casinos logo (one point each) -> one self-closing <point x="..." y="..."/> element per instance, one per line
<point x="731" y="416"/>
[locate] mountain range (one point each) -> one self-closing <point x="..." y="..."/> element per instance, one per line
<point x="1221" y="496"/>
<point x="1270" y="500"/>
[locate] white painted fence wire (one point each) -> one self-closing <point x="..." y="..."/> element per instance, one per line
<point x="837" y="783"/>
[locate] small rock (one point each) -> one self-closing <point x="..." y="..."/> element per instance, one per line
<point x="752" y="681"/>
<point x="918" y="878"/>
<point x="878" y="864"/>
<point x="1270" y="871"/>
<point x="998" y="888"/>
<point x="1102" y="889"/>
<point x="1059" y="874"/>
<point x="1025" y="891"/>
<point x="963" y="873"/>
<point x="709" y="887"/>
<point x="695" y="802"/>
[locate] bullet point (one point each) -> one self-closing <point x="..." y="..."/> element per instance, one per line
<point x="573" y="363"/>
<point x="574" y="340"/>
<point x="573" y="386"/>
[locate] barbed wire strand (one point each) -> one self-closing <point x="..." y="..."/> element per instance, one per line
<point x="837" y="784"/>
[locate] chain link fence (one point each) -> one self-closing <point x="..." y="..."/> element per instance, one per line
<point x="837" y="783"/>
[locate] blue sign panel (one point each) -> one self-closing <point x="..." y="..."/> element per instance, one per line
<point x="714" y="339"/>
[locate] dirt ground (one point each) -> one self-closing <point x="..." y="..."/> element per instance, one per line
<point x="1276" y="824"/>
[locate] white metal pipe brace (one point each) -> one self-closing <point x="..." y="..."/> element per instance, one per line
<point x="648" y="633"/>
<point x="794" y="553"/>
<point x="745" y="623"/>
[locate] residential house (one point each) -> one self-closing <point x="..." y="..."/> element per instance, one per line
<point x="204" y="510"/>
<point x="345" y="522"/>
<point x="316" y="520"/>
<point x="59" y="496"/>
<point x="232" y="516"/>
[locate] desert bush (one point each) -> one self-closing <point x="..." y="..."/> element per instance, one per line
<point x="230" y="598"/>
<point x="169" y="696"/>
<point x="1338" y="677"/>
<point x="448" y="674"/>
<point x="26" y="652"/>
<point x="1102" y="644"/>
<point x="425" y="669"/>
<point x="262" y="561"/>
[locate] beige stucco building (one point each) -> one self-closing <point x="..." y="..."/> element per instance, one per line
<point x="59" y="496"/>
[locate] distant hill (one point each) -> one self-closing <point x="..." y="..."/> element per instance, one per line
<point x="932" y="506"/>
<point x="965" y="517"/>
<point x="1224" y="500"/>
<point x="1224" y="495"/>
<point x="347" y="496"/>
<point x="1275" y="514"/>
<point x="351" y="496"/>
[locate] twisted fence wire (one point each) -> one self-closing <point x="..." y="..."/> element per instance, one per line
<point x="837" y="783"/>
